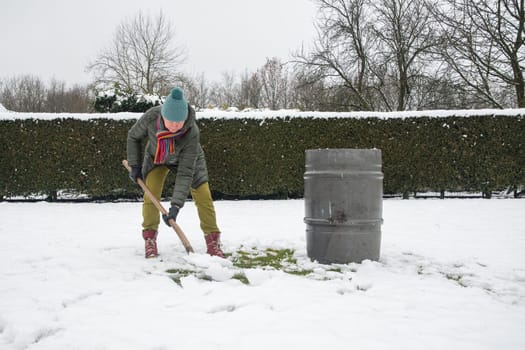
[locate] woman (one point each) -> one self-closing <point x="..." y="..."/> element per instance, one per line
<point x="173" y="145"/>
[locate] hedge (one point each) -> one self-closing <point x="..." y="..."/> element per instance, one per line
<point x="264" y="158"/>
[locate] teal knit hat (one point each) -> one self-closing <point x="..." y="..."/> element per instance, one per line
<point x="175" y="108"/>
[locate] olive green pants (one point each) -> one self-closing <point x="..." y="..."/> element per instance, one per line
<point x="201" y="196"/>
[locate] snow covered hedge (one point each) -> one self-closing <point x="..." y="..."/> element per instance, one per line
<point x="263" y="157"/>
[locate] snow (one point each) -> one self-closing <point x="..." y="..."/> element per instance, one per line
<point x="3" y="109"/>
<point x="451" y="276"/>
<point x="268" y="114"/>
<point x="140" y="97"/>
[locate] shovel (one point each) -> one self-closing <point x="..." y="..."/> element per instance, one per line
<point x="163" y="211"/>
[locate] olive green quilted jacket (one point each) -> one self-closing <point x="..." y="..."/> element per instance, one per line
<point x="186" y="160"/>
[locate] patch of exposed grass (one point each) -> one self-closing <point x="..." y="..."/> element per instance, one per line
<point x="273" y="258"/>
<point x="335" y="269"/>
<point x="251" y="258"/>
<point x="177" y="274"/>
<point x="270" y="258"/>
<point x="298" y="272"/>
<point x="456" y="278"/>
<point x="241" y="277"/>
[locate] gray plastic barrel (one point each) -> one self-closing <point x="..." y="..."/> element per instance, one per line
<point x="343" y="196"/>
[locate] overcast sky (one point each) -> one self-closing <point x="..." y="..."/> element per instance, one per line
<point x="57" y="38"/>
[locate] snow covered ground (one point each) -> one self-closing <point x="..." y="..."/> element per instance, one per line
<point x="73" y="276"/>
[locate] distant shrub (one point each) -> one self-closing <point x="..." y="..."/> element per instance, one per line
<point x="114" y="101"/>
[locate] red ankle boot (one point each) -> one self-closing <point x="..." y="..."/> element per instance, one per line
<point x="213" y="244"/>
<point x="150" y="239"/>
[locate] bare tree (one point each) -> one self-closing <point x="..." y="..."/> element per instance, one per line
<point x="308" y="91"/>
<point x="141" y="57"/>
<point x="55" y="93"/>
<point x="343" y="48"/>
<point x="224" y="94"/>
<point x="228" y="89"/>
<point x="198" y="91"/>
<point x="483" y="42"/>
<point x="76" y="99"/>
<point x="274" y="82"/>
<point x="405" y="29"/>
<point x="26" y="93"/>
<point x="250" y="91"/>
<point x="60" y="99"/>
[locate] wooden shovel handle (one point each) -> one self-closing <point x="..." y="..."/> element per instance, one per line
<point x="163" y="211"/>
